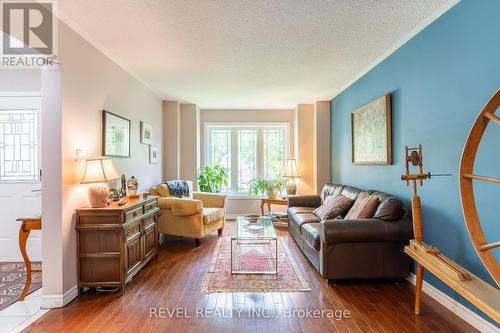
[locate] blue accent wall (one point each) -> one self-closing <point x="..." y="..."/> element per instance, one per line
<point x="439" y="81"/>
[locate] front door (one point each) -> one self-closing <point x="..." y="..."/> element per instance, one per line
<point x="20" y="163"/>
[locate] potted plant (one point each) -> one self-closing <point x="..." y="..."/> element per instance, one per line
<point x="271" y="187"/>
<point x="211" y="179"/>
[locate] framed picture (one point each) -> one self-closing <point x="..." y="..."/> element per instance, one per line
<point x="371" y="132"/>
<point x="146" y="133"/>
<point x="115" y="135"/>
<point x="153" y="154"/>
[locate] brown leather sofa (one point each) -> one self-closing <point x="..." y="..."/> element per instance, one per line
<point x="352" y="249"/>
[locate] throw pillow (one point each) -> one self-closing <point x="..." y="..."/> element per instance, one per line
<point x="333" y="206"/>
<point x="363" y="207"/>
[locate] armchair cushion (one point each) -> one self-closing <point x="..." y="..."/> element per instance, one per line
<point x="212" y="214"/>
<point x="181" y="206"/>
<point x="215" y="200"/>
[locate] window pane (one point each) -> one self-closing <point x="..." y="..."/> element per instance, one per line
<point x="18" y="145"/>
<point x="247" y="157"/>
<point x="274" y="152"/>
<point x="220" y="148"/>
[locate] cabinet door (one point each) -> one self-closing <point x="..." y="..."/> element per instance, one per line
<point x="150" y="238"/>
<point x="133" y="248"/>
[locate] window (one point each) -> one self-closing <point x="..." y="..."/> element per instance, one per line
<point x="18" y="145"/>
<point x="247" y="151"/>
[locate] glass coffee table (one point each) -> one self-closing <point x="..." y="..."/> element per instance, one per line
<point x="258" y="241"/>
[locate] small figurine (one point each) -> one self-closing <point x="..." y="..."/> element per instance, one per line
<point x="123" y="190"/>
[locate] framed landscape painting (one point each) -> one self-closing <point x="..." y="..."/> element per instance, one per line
<point x="371" y="132"/>
<point x="115" y="135"/>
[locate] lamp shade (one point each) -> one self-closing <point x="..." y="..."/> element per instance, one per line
<point x="99" y="170"/>
<point x="291" y="169"/>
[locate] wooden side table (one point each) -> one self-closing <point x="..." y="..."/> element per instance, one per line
<point x="27" y="224"/>
<point x="269" y="202"/>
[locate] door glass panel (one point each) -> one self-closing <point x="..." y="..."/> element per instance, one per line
<point x="18" y="145"/>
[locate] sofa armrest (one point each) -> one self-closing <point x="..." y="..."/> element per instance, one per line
<point x="181" y="206"/>
<point x="366" y="230"/>
<point x="304" y="201"/>
<point x="215" y="200"/>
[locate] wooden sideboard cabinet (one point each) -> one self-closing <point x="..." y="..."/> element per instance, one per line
<point x="115" y="242"/>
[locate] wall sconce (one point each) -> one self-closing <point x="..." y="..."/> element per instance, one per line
<point x="78" y="155"/>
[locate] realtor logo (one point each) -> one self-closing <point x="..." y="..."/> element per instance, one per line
<point x="28" y="37"/>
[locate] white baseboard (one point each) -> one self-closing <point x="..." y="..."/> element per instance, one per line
<point x="58" y="301"/>
<point x="454" y="306"/>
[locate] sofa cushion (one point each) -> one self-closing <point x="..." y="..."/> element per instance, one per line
<point x="390" y="208"/>
<point x="211" y="215"/>
<point x="350" y="192"/>
<point x="298" y="210"/>
<point x="310" y="232"/>
<point x="333" y="207"/>
<point x="363" y="207"/>
<point x="304" y="218"/>
<point x="330" y="190"/>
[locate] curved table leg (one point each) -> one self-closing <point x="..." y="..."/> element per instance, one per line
<point x="23" y="238"/>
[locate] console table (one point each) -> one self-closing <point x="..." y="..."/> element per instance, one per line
<point x="115" y="242"/>
<point x="27" y="224"/>
<point x="269" y="202"/>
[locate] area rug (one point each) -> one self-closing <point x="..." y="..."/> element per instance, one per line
<point x="220" y="280"/>
<point x="12" y="278"/>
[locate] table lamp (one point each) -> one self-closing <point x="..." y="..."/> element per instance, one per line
<point x="98" y="171"/>
<point x="291" y="173"/>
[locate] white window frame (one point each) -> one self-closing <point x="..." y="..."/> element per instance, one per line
<point x="22" y="102"/>
<point x="235" y="126"/>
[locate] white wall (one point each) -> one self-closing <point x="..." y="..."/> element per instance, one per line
<point x="92" y="82"/>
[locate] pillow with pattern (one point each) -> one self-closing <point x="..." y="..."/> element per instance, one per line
<point x="333" y="206"/>
<point x="363" y="207"/>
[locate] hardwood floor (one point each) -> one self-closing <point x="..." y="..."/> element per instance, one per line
<point x="174" y="279"/>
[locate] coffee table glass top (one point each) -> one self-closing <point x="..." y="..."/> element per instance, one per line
<point x="266" y="232"/>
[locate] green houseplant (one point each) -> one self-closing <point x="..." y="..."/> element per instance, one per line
<point x="211" y="179"/>
<point x="271" y="187"/>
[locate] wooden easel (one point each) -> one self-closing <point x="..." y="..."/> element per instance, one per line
<point x="478" y="292"/>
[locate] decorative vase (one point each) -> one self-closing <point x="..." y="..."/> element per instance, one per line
<point x="132" y="186"/>
<point x="271" y="194"/>
<point x="98" y="195"/>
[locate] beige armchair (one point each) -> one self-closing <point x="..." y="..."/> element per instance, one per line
<point x="195" y="217"/>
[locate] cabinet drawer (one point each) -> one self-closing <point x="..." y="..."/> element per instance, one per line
<point x="133" y="213"/>
<point x="150" y="206"/>
<point x="132" y="232"/>
<point x="148" y="223"/>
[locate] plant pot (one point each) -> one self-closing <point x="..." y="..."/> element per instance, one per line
<point x="271" y="194"/>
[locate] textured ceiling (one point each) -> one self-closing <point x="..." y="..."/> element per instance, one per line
<point x="249" y="53"/>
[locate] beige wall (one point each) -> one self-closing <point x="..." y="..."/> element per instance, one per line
<point x="92" y="82"/>
<point x="305" y="143"/>
<point x="189" y="142"/>
<point x="322" y="144"/>
<point x="171" y="140"/>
